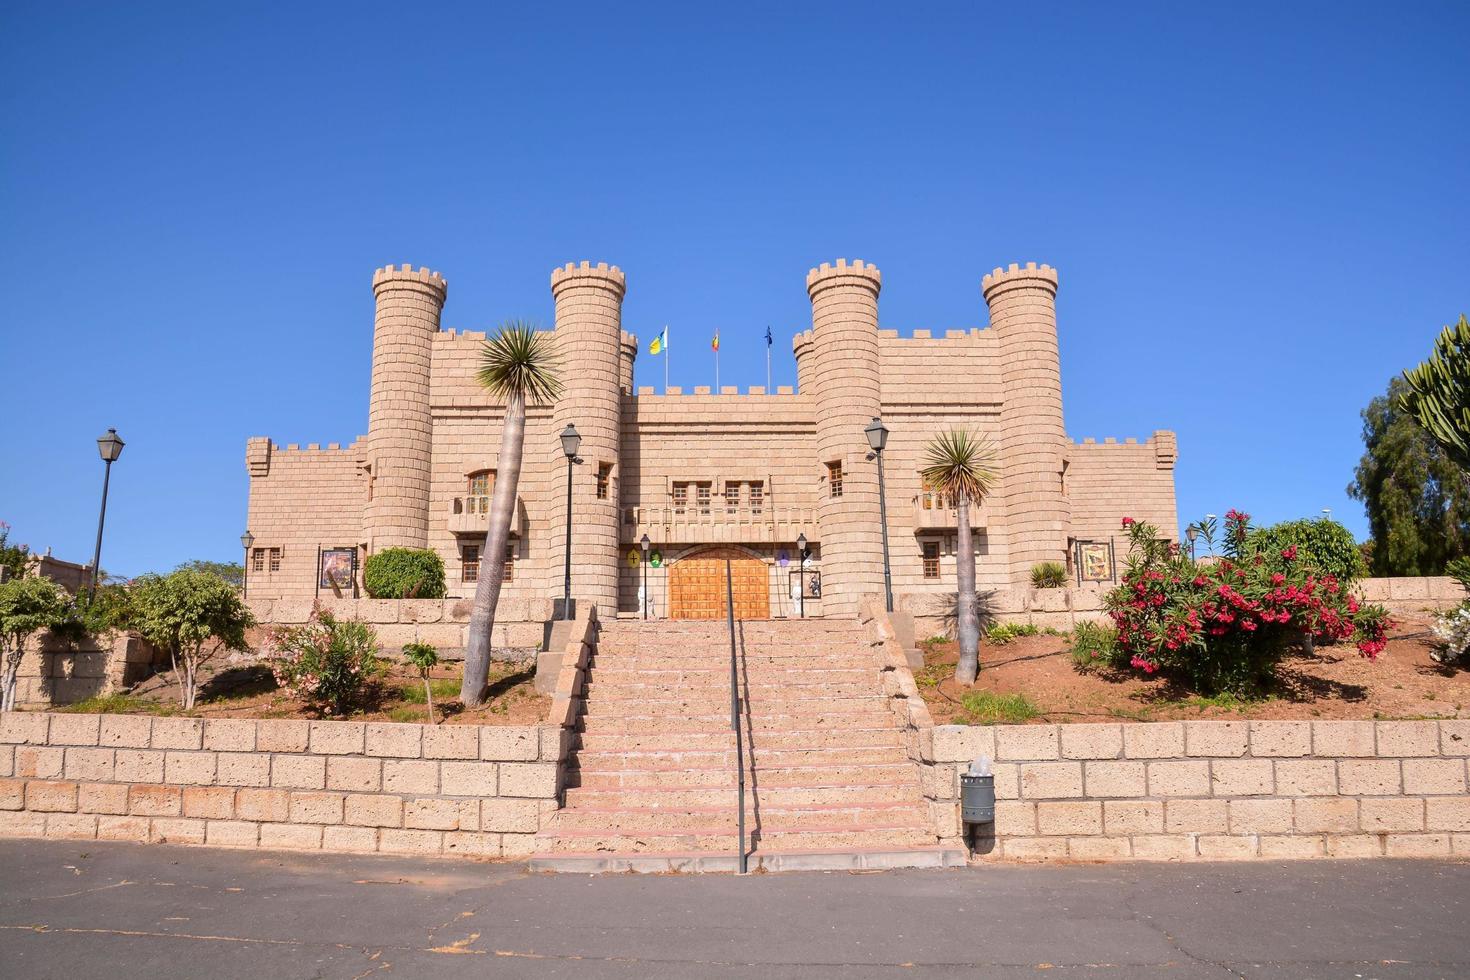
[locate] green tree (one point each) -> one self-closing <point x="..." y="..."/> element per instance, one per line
<point x="1438" y="394"/>
<point x="231" y="571"/>
<point x="961" y="466"/>
<point x="27" y="607"/>
<point x="1416" y="496"/>
<point x="13" y="557"/>
<point x="518" y="366"/>
<point x="424" y="658"/>
<point x="194" y="616"/>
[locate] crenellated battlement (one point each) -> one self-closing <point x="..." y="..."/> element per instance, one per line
<point x="406" y="276"/>
<point x="969" y="334"/>
<point x="606" y="276"/>
<point x="856" y="273"/>
<point x="726" y="391"/>
<point x="1164" y="444"/>
<point x="1031" y="275"/>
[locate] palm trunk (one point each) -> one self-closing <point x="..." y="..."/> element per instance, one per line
<point x="487" y="591"/>
<point x="966" y="615"/>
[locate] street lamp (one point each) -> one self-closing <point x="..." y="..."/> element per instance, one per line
<point x="109" y="447"/>
<point x="570" y="441"/>
<point x="801" y="573"/>
<point x="645" y="544"/>
<point x="877" y="435"/>
<point x="246" y="540"/>
<point x="1191" y="533"/>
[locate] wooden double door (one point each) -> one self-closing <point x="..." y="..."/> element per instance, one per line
<point x="697" y="585"/>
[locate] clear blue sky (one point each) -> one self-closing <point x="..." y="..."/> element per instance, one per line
<point x="1260" y="213"/>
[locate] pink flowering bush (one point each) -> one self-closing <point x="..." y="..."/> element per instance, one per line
<point x="327" y="663"/>
<point x="1226" y="625"/>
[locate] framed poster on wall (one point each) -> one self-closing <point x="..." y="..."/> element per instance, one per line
<point x="337" y="571"/>
<point x="1095" y="561"/>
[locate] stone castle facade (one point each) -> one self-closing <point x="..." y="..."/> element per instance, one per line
<point x="710" y="475"/>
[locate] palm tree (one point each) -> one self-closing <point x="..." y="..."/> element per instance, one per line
<point x="961" y="466"/>
<point x="517" y="366"/>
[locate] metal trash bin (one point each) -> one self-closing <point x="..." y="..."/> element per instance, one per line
<point x="977" y="798"/>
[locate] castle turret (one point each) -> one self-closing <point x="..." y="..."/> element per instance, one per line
<point x="589" y="347"/>
<point x="1032" y="439"/>
<point x="400" y="429"/>
<point x="842" y="365"/>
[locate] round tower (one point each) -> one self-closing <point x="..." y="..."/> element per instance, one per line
<point x="589" y="347"/>
<point x="400" y="429"/>
<point x="1032" y="439"/>
<point x="806" y="361"/>
<point x="842" y="365"/>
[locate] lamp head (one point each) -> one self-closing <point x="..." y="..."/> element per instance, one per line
<point x="801" y="542"/>
<point x="110" y="447"/>
<point x="246" y="540"/>
<point x="645" y="543"/>
<point x="570" y="441"/>
<point x="877" y="434"/>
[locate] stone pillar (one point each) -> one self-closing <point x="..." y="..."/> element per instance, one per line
<point x="845" y="385"/>
<point x="589" y="346"/>
<point x="1032" y="440"/>
<point x="400" y="429"/>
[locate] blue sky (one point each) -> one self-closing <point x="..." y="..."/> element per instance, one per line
<point x="1260" y="213"/>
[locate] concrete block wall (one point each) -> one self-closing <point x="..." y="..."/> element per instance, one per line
<point x="519" y="623"/>
<point x="1212" y="789"/>
<point x="55" y="671"/>
<point x="478" y="791"/>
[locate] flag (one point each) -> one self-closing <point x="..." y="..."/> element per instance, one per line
<point x="660" y="343"/>
<point x="769" y="339"/>
<point x="715" y="344"/>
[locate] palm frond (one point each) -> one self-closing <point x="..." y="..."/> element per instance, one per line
<point x="960" y="463"/>
<point x="520" y="360"/>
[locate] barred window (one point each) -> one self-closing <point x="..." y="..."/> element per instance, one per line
<point x="257" y="560"/>
<point x="275" y="560"/>
<point x="469" y="563"/>
<point x="931" y="559"/>
<point x="732" y="498"/>
<point x="604" y="478"/>
<point x="510" y="563"/>
<point x="702" y="498"/>
<point x="757" y="497"/>
<point x="681" y="497"/>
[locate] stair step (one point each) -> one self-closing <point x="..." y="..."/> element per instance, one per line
<point x="760" y="859"/>
<point x="715" y="796"/>
<point x="765" y="777"/>
<point x="723" y="737"/>
<point x="762" y="760"/>
<point x="715" y="839"/>
<point x="607" y="722"/>
<point x="759" y="816"/>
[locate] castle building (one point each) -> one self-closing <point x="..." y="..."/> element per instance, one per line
<point x="709" y="475"/>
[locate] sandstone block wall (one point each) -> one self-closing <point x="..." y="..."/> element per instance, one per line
<point x="55" y="671"/>
<point x="277" y="784"/>
<point x="519" y="622"/>
<point x="1211" y="789"/>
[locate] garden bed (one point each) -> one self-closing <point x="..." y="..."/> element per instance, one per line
<point x="247" y="690"/>
<point x="1031" y="679"/>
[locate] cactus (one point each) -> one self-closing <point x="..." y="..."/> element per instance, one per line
<point x="1439" y="392"/>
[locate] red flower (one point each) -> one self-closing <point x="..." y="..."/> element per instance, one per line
<point x="1289" y="553"/>
<point x="1129" y="522"/>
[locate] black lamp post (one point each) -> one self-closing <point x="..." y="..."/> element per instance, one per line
<point x="645" y="543"/>
<point x="109" y="447"/>
<point x="1191" y="533"/>
<point x="246" y="540"/>
<point x="877" y="435"/>
<point x="801" y="573"/>
<point x="570" y="442"/>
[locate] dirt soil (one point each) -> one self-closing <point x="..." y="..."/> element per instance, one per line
<point x="1332" y="682"/>
<point x="246" y="690"/>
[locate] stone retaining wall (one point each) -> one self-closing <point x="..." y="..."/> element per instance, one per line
<point x="1213" y="789"/>
<point x="519" y="624"/>
<point x="59" y="671"/>
<point x="322" y="785"/>
<point x="1063" y="609"/>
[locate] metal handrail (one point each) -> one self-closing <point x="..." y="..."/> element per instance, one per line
<point x="735" y="720"/>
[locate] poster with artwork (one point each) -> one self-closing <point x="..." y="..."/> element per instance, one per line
<point x="1095" y="560"/>
<point x="337" y="568"/>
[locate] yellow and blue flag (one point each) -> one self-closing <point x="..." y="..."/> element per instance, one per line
<point x="660" y="343"/>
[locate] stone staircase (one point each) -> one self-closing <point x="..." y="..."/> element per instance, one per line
<point x="652" y="786"/>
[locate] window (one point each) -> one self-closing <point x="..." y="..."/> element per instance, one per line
<point x="732" y="498"/>
<point x="510" y="563"/>
<point x="479" y="486"/>
<point x="834" y="478"/>
<point x="604" y="477"/>
<point x="931" y="559"/>
<point x="701" y="498"/>
<point x="469" y="563"/>
<point x="681" y="497"/>
<point x="257" y="560"/>
<point x="932" y="499"/>
<point x="275" y="559"/>
<point x="757" y="497"/>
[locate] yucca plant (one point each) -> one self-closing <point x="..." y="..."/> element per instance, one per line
<point x="1439" y="393"/>
<point x="961" y="465"/>
<point x="517" y="366"/>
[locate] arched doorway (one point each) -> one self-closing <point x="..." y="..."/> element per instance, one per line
<point x="697" y="585"/>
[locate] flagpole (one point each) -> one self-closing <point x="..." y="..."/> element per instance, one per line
<point x="666" y="358"/>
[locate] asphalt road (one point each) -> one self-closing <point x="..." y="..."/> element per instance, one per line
<point x="78" y="910"/>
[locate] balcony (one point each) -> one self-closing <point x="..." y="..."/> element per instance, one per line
<point x="470" y="515"/>
<point x="720" y="523"/>
<point x="935" y="512"/>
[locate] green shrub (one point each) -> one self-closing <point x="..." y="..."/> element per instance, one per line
<point x="424" y="658"/>
<point x="326" y="663"/>
<point x="1321" y="544"/>
<point x="1049" y="575"/>
<point x="404" y="573"/>
<point x="1002" y="633"/>
<point x="989" y="708"/>
<point x="27" y="606"/>
<point x="1459" y="570"/>
<point x="1095" y="646"/>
